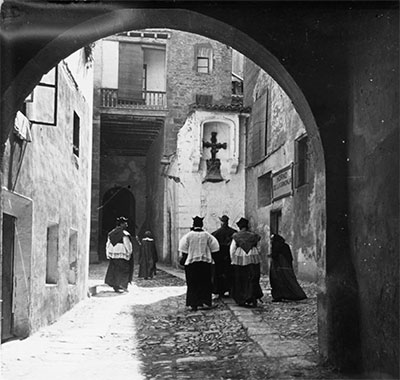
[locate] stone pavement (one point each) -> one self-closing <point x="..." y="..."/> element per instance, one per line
<point x="150" y="334"/>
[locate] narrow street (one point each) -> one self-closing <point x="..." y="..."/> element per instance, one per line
<point x="148" y="333"/>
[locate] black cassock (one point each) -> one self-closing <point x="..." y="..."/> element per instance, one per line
<point x="283" y="280"/>
<point x="222" y="270"/>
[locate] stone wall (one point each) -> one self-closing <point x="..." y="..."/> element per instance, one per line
<point x="298" y="210"/>
<point x="373" y="146"/>
<point x="184" y="82"/>
<point x="54" y="184"/>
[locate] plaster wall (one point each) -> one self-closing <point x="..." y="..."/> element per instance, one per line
<point x="109" y="63"/>
<point x="207" y="199"/>
<point x="299" y="209"/>
<point x="58" y="197"/>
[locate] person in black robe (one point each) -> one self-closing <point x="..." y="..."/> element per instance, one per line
<point x="147" y="256"/>
<point x="119" y="252"/>
<point x="196" y="248"/>
<point x="282" y="278"/>
<point x="245" y="258"/>
<point x="222" y="270"/>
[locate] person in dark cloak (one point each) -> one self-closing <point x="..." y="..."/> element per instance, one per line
<point x="196" y="248"/>
<point x="245" y="259"/>
<point x="119" y="252"/>
<point x="282" y="278"/>
<point x="147" y="256"/>
<point x="222" y="270"/>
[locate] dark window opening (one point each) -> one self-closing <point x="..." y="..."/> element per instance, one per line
<point x="301" y="150"/>
<point x="75" y="143"/>
<point x="52" y="255"/>
<point x="275" y="221"/>
<point x="265" y="189"/>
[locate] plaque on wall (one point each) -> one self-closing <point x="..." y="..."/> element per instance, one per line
<point x="282" y="183"/>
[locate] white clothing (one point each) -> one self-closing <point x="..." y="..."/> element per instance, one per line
<point x="198" y="245"/>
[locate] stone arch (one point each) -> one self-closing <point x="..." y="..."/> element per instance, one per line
<point x="107" y="20"/>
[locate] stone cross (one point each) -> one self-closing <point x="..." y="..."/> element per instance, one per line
<point x="215" y="147"/>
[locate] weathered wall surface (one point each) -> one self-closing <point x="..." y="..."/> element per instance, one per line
<point x="298" y="210"/>
<point x="183" y="82"/>
<point x="207" y="199"/>
<point x="373" y="145"/>
<point x="58" y="184"/>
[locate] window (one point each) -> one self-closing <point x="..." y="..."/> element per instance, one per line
<point x="204" y="58"/>
<point x="301" y="163"/>
<point x="75" y="143"/>
<point x="203" y="65"/>
<point x="73" y="255"/>
<point x="52" y="255"/>
<point x="264" y="189"/>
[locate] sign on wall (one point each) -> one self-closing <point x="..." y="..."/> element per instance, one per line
<point x="282" y="183"/>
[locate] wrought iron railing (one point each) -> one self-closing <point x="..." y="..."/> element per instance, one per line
<point x="149" y="100"/>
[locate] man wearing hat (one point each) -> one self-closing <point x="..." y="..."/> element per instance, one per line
<point x="119" y="252"/>
<point x="245" y="258"/>
<point x="222" y="271"/>
<point x="196" y="248"/>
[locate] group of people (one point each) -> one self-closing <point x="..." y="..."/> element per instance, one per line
<point x="228" y="261"/>
<point x="225" y="262"/>
<point x="119" y="252"/>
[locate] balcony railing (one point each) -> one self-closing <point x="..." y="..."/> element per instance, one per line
<point x="149" y="100"/>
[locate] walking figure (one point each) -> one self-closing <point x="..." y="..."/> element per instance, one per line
<point x="246" y="289"/>
<point x="119" y="252"/>
<point x="147" y="256"/>
<point x="282" y="278"/>
<point x="222" y="270"/>
<point x="196" y="247"/>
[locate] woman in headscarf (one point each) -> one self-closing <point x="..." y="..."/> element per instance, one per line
<point x="282" y="278"/>
<point x="147" y="256"/>
<point x="196" y="248"/>
<point x="119" y="252"/>
<point x="245" y="259"/>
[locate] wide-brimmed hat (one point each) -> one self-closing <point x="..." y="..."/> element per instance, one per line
<point x="224" y="218"/>
<point x="243" y="222"/>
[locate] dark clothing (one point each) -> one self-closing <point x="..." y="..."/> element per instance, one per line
<point x="283" y="280"/>
<point x="198" y="279"/>
<point x="246" y="287"/>
<point x="245" y="257"/>
<point x="119" y="273"/>
<point x="222" y="270"/>
<point x="116" y="235"/>
<point x="147" y="258"/>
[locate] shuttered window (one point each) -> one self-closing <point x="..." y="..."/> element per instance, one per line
<point x="130" y="72"/>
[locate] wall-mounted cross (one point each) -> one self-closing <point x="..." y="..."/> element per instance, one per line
<point x="215" y="147"/>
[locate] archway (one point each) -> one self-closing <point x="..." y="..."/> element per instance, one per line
<point x="117" y="201"/>
<point x="306" y="45"/>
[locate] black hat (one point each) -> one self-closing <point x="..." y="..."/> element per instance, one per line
<point x="243" y="222"/>
<point x="224" y="218"/>
<point x="197" y="221"/>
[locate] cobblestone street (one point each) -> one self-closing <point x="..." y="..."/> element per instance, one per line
<point x="150" y="334"/>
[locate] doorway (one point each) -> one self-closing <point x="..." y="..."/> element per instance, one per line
<point x="275" y="221"/>
<point x="7" y="314"/>
<point x="117" y="201"/>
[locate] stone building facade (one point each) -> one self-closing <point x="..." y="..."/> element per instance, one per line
<point x="175" y="70"/>
<point x="281" y="184"/>
<point x="46" y="199"/>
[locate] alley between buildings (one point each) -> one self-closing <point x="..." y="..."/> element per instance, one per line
<point x="149" y="333"/>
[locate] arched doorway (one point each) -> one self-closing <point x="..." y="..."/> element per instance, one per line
<point x="117" y="201"/>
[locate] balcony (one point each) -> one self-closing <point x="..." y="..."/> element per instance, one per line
<point x="151" y="100"/>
